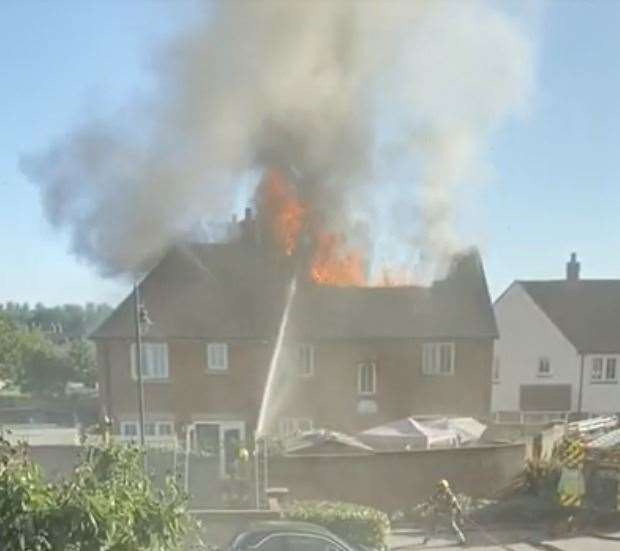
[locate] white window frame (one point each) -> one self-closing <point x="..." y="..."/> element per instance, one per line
<point x="147" y="369"/>
<point x="600" y="368"/>
<point x="544" y="373"/>
<point x="289" y="426"/>
<point x="367" y="378"/>
<point x="431" y="358"/>
<point x="124" y="425"/>
<point x="217" y="357"/>
<point x="157" y="429"/>
<point x="305" y="360"/>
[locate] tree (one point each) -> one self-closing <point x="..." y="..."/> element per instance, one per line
<point x="108" y="503"/>
<point x="81" y="356"/>
<point x="44" y="368"/>
<point x="10" y="348"/>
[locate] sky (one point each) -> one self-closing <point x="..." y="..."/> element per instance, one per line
<point x="555" y="185"/>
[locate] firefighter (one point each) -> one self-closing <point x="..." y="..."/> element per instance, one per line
<point x="441" y="506"/>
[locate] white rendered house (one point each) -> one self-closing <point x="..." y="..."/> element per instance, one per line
<point x="558" y="352"/>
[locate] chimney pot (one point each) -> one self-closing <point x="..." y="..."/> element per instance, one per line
<point x="572" y="268"/>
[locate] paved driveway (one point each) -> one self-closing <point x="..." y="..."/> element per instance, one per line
<point x="505" y="540"/>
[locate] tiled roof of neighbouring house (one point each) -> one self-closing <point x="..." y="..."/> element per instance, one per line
<point x="587" y="312"/>
<point x="227" y="291"/>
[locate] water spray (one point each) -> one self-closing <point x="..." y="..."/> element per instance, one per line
<point x="275" y="357"/>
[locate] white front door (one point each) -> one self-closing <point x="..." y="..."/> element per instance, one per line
<point x="219" y="438"/>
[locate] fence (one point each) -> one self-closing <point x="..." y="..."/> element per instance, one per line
<point x="200" y="474"/>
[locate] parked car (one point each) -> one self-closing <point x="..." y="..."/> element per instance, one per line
<point x="290" y="536"/>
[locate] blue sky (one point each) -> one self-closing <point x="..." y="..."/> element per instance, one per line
<point x="556" y="185"/>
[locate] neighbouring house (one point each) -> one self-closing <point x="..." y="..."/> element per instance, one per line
<point x="559" y="349"/>
<point x="354" y="357"/>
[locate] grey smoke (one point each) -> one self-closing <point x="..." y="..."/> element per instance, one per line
<point x="321" y="88"/>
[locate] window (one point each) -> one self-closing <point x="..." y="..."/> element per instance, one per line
<point x="305" y="360"/>
<point x="366" y="378"/>
<point x="270" y="543"/>
<point x="154" y="360"/>
<point x="438" y="358"/>
<point x="604" y="369"/>
<point x="311" y="543"/>
<point x="496" y="369"/>
<point x="129" y="429"/>
<point x="597" y="369"/>
<point x="610" y="369"/>
<point x="217" y="356"/>
<point x="164" y="429"/>
<point x="152" y="429"/>
<point x="292" y="425"/>
<point x="544" y="367"/>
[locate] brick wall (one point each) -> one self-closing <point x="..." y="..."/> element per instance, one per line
<point x="392" y="481"/>
<point x="330" y="397"/>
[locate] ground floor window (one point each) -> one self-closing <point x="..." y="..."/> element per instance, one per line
<point x="438" y="358"/>
<point x="152" y="429"/>
<point x="604" y="369"/>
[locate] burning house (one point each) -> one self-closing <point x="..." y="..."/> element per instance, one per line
<point x="345" y="356"/>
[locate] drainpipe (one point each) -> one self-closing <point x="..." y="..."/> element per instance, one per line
<point x="580" y="399"/>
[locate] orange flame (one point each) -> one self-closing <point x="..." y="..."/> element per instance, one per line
<point x="331" y="265"/>
<point x="284" y="211"/>
<point x="285" y="217"/>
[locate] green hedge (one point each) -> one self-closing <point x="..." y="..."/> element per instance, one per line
<point x="353" y="523"/>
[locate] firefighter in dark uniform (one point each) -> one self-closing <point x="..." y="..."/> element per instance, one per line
<point x="443" y="506"/>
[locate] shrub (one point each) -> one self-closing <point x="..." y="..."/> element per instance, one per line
<point x="354" y="523"/>
<point x="108" y="503"/>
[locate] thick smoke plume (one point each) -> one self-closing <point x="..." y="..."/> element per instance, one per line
<point x="324" y="90"/>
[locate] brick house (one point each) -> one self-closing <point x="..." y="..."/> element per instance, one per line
<point x="354" y="357"/>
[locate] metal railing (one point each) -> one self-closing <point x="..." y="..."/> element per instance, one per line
<point x="530" y="417"/>
<point x="587" y="422"/>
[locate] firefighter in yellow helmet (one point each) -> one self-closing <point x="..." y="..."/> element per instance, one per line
<point x="444" y="506"/>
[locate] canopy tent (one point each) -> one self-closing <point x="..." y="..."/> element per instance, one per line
<point x="423" y="433"/>
<point x="325" y="442"/>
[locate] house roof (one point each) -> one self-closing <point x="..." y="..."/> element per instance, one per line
<point x="227" y="291"/>
<point x="587" y="312"/>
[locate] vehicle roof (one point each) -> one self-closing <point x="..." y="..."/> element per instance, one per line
<point x="260" y="530"/>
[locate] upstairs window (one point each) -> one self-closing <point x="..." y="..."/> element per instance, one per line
<point x="305" y="360"/>
<point x="217" y="356"/>
<point x="367" y="378"/>
<point x="154" y="361"/>
<point x="544" y="367"/>
<point x="438" y="358"/>
<point x="604" y="369"/>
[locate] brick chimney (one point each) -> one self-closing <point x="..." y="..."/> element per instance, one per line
<point x="572" y="268"/>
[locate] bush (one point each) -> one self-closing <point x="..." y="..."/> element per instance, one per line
<point x="353" y="523"/>
<point x="108" y="503"/>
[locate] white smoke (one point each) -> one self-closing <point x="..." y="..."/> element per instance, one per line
<point x="311" y="86"/>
